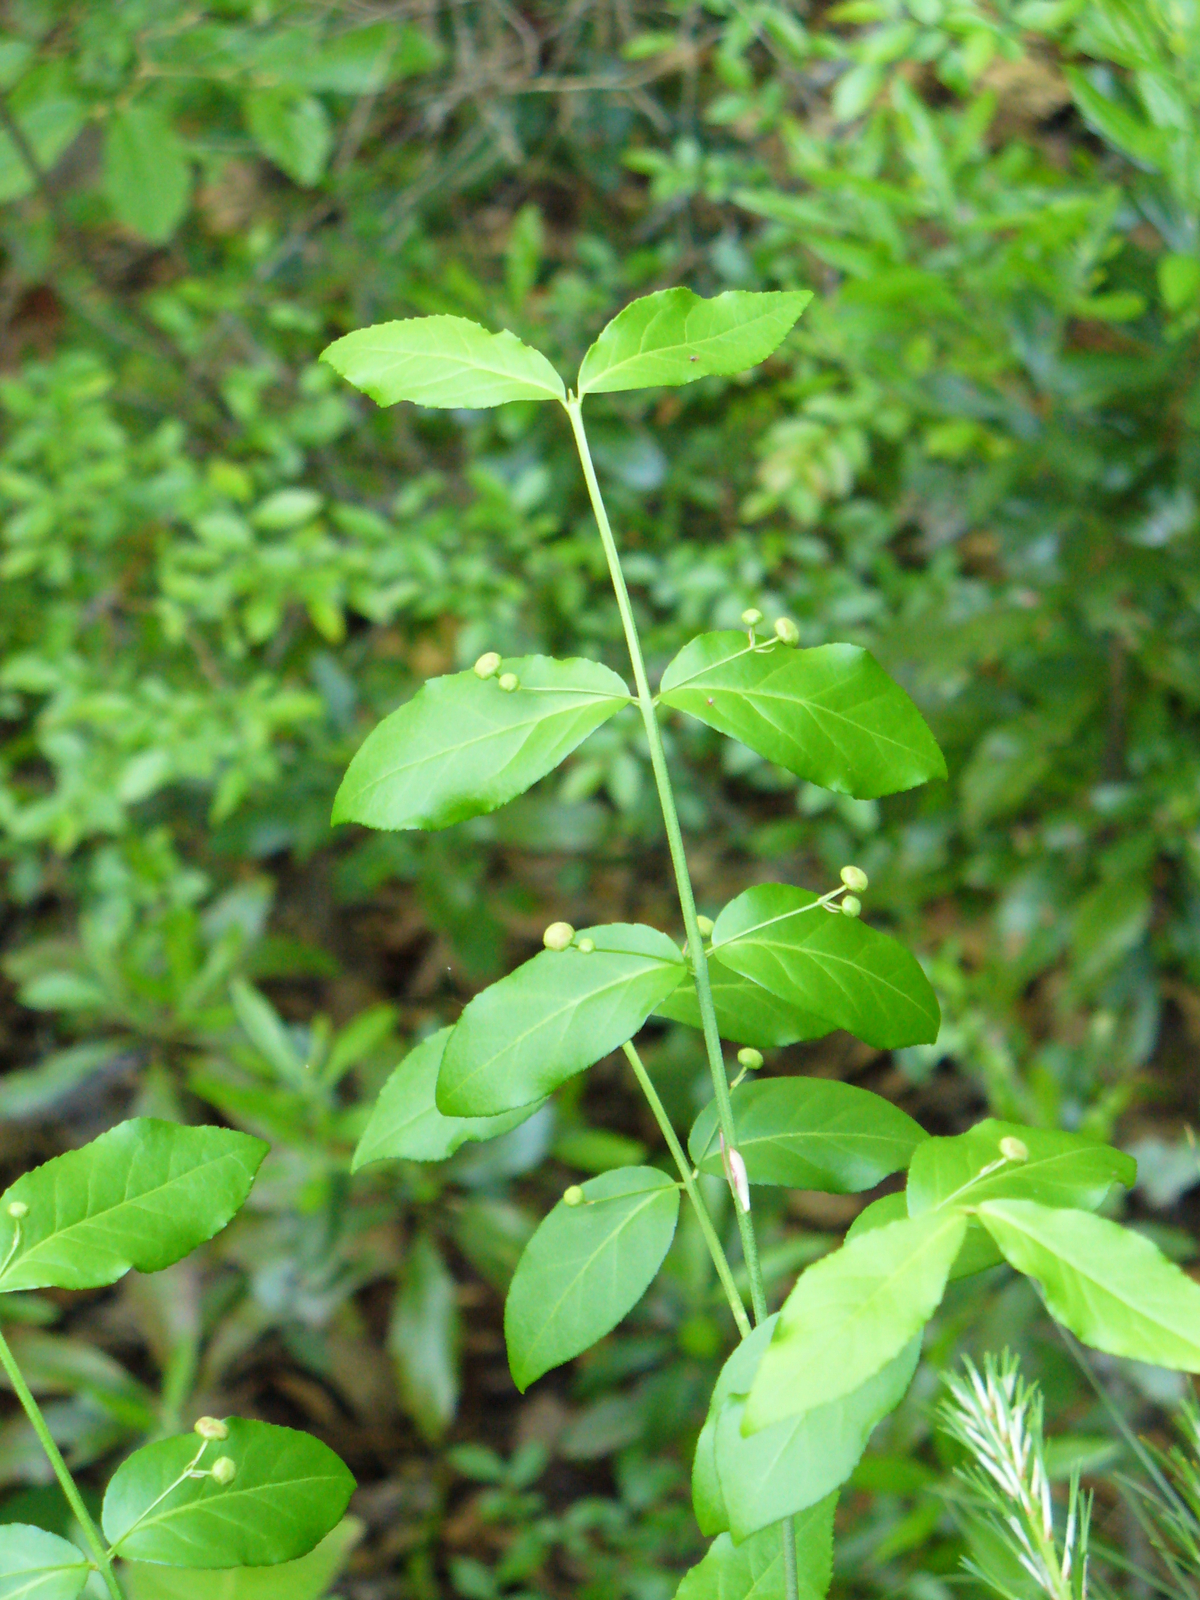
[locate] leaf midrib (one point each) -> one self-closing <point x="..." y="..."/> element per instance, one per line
<point x="217" y="1504"/>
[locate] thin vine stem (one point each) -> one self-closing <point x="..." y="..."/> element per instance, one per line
<point x="666" y="796"/>
<point x="715" y="1248"/>
<point x="687" y="904"/>
<point x="74" y="1499"/>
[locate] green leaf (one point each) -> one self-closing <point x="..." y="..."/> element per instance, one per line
<point x="292" y="130"/>
<point x="830" y="715"/>
<point x="827" y="964"/>
<point x="746" y="1012"/>
<point x="146" y="172"/>
<point x="443" y="361"/>
<point x="406" y="1124"/>
<point x="142" y="1195"/>
<point x="424" y="1339"/>
<point x="978" y="1250"/>
<point x="1110" y="1286"/>
<point x="1063" y="1169"/>
<point x="306" y="1579"/>
<point x="554" y="1016"/>
<point x="463" y="746"/>
<point x="586" y="1267"/>
<point x="50" y="114"/>
<point x="754" y="1570"/>
<point x="1147" y="145"/>
<point x="675" y="337"/>
<point x="35" y="1565"/>
<point x="811" y="1133"/>
<point x="288" y="1491"/>
<point x="851" y="1313"/>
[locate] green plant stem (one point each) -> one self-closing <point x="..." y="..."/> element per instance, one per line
<point x="715" y="1250"/>
<point x="74" y="1499"/>
<point x="666" y="795"/>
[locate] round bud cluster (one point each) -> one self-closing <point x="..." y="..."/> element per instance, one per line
<point x="752" y="617"/>
<point x="705" y="924"/>
<point x="1014" y="1149"/>
<point x="210" y="1428"/>
<point x="573" y="1196"/>
<point x="508" y="681"/>
<point x="750" y="1058"/>
<point x="488" y="665"/>
<point x="855" y="878"/>
<point x="787" y="630"/>
<point x="558" y="936"/>
<point x="224" y="1470"/>
<point x="586" y="946"/>
<point x="17" y="1209"/>
<point x="851" y="906"/>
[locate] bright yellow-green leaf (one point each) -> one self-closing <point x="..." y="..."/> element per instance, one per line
<point x="443" y="361"/>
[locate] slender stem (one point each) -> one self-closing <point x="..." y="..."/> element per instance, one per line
<point x="54" y="1455"/>
<point x="715" y="1249"/>
<point x="687" y="903"/>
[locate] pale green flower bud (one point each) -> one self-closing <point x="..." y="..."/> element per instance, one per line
<point x="508" y="681"/>
<point x="1014" y="1149"/>
<point x="752" y="617"/>
<point x="573" y="1196"/>
<point x="851" y="905"/>
<point x="586" y="946"/>
<point x="750" y="1058"/>
<point x="787" y="630"/>
<point x="17" y="1209"/>
<point x="210" y="1428"/>
<point x="855" y="878"/>
<point x="558" y="936"/>
<point x="488" y="665"/>
<point x="705" y="924"/>
<point x="224" y="1470"/>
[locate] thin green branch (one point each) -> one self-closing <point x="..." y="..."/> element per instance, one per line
<point x="74" y="1499"/>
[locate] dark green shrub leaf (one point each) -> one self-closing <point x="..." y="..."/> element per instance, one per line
<point x="674" y="337"/>
<point x="443" y="361"/>
<point x="146" y="172"/>
<point x="754" y="1569"/>
<point x="851" y="1313"/>
<point x="142" y="1195"/>
<point x="586" y="1267"/>
<point x="1062" y="1169"/>
<point x="746" y="1012"/>
<point x="287" y="1490"/>
<point x="308" y="1578"/>
<point x="424" y="1339"/>
<point x="518" y="1040"/>
<point x="810" y="1133"/>
<point x="1110" y="1286"/>
<point x="406" y="1124"/>
<point x="35" y="1565"/>
<point x="827" y="964"/>
<point x="831" y="714"/>
<point x="463" y="746"/>
<point x="292" y="130"/>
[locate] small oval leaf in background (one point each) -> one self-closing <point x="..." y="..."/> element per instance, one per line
<point x="554" y="1016"/>
<point x="288" y="1491"/>
<point x="1110" y="1286"/>
<point x="746" y="1012"/>
<point x="833" y="966"/>
<point x="442" y="361"/>
<point x="292" y="130"/>
<point x="141" y="1195"/>
<point x="308" y="1578"/>
<point x="586" y="1267"/>
<point x="406" y="1123"/>
<point x="35" y="1565"/>
<point x="463" y="746"/>
<point x="851" y="1313"/>
<point x="810" y="1133"/>
<point x="753" y="1570"/>
<point x="675" y="336"/>
<point x="830" y="715"/>
<point x="1061" y="1169"/>
<point x="146" y="172"/>
<point x="424" y="1339"/>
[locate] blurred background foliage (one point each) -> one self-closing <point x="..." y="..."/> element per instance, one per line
<point x="978" y="456"/>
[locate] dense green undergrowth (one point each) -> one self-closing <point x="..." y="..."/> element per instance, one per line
<point x="976" y="456"/>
